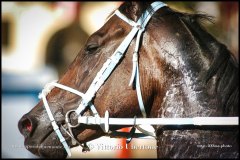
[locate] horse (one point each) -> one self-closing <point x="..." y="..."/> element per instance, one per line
<point x="183" y="72"/>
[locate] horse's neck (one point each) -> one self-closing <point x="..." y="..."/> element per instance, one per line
<point x="196" y="85"/>
<point x="207" y="78"/>
<point x="185" y="98"/>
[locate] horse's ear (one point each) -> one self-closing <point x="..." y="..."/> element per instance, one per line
<point x="136" y="9"/>
<point x="133" y="9"/>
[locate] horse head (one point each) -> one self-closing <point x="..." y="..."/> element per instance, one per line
<point x="181" y="69"/>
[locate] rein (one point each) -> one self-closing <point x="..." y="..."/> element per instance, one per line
<point x="107" y="68"/>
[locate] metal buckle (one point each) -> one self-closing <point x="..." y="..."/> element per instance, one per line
<point x="67" y="119"/>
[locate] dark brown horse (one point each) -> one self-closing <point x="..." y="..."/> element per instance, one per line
<point x="184" y="72"/>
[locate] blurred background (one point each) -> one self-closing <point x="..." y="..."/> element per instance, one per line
<point x="40" y="40"/>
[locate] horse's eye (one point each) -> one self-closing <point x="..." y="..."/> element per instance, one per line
<point x="91" y="48"/>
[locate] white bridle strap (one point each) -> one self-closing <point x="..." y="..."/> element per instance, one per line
<point x="144" y="19"/>
<point x="68" y="89"/>
<point x="198" y="121"/>
<point x="89" y="120"/>
<point x="123" y="17"/>
<point x="48" y="87"/>
<point x="141" y="23"/>
<point x="53" y="122"/>
<point x="111" y="63"/>
<point x="101" y="77"/>
<point x="103" y="74"/>
<point x="106" y="70"/>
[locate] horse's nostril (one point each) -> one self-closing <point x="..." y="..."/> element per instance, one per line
<point x="27" y="125"/>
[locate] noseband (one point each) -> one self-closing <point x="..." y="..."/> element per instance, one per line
<point x="107" y="68"/>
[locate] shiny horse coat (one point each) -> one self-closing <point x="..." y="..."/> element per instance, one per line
<point x="185" y="72"/>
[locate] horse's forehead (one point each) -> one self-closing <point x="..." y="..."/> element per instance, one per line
<point x="105" y="28"/>
<point x="113" y="25"/>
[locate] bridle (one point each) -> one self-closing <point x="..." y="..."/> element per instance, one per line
<point x="107" y="68"/>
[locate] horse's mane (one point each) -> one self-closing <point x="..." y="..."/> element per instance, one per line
<point x="223" y="67"/>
